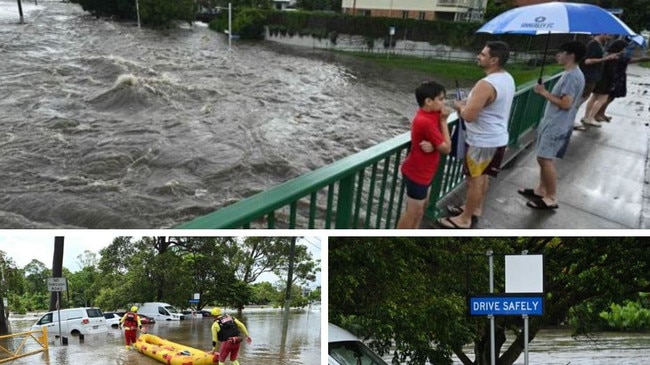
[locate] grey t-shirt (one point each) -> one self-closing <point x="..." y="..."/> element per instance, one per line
<point x="556" y="120"/>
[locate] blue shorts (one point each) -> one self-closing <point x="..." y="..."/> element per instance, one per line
<point x="415" y="190"/>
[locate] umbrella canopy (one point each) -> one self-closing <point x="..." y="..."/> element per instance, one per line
<point x="556" y="17"/>
<point x="639" y="39"/>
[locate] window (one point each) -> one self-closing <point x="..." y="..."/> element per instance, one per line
<point x="95" y="313"/>
<point x="405" y="14"/>
<point x="46" y="319"/>
<point x="367" y="13"/>
<point x="422" y="15"/>
<point x="75" y="314"/>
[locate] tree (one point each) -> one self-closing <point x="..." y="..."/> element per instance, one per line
<point x="84" y="284"/>
<point x="208" y="261"/>
<point x="264" y="293"/>
<point x="410" y="293"/>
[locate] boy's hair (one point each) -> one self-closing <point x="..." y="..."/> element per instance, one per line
<point x="576" y="48"/>
<point x="500" y="50"/>
<point x="428" y="89"/>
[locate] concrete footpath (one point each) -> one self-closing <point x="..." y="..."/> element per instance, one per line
<point x="603" y="180"/>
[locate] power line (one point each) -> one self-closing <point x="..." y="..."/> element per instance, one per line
<point x="311" y="243"/>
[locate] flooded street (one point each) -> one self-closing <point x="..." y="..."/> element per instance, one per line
<point x="557" y="347"/>
<point x="300" y="345"/>
<point x="104" y="125"/>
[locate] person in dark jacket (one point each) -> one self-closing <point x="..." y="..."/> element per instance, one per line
<point x="230" y="332"/>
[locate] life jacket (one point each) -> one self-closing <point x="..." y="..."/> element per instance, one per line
<point x="131" y="321"/>
<point x="228" y="328"/>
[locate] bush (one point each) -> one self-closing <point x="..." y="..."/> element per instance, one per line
<point x="249" y="23"/>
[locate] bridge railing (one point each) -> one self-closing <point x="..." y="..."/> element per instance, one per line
<point x="17" y="345"/>
<point x="364" y="190"/>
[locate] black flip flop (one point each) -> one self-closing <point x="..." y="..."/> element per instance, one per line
<point x="455" y="210"/>
<point x="529" y="193"/>
<point x="449" y="224"/>
<point x="540" y="204"/>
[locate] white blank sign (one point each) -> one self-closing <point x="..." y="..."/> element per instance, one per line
<point x="524" y="274"/>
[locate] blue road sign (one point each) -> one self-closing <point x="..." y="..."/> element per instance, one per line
<point x="194" y="301"/>
<point x="506" y="305"/>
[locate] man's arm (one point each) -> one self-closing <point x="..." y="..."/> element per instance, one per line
<point x="483" y="94"/>
<point x="243" y="330"/>
<point x="215" y="330"/>
<point x="563" y="102"/>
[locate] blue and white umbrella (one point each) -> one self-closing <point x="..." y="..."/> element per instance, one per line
<point x="557" y="17"/>
<point x="640" y="40"/>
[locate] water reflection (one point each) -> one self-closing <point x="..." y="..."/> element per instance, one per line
<point x="300" y="344"/>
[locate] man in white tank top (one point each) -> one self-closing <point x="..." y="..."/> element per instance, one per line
<point x="486" y="112"/>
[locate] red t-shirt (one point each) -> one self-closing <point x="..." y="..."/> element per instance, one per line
<point x="420" y="166"/>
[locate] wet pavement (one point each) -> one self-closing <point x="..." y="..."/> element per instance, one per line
<point x="602" y="181"/>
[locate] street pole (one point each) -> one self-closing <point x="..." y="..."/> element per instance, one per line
<point x="229" y="25"/>
<point x="491" y="316"/>
<point x="137" y="10"/>
<point x="525" y="339"/>
<point x="20" y="11"/>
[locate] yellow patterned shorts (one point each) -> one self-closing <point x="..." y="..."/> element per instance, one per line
<point x="483" y="160"/>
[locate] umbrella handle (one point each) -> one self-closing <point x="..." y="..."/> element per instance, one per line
<point x="541" y="72"/>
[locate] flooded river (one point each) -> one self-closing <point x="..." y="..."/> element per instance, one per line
<point x="557" y="347"/>
<point x="299" y="346"/>
<point x="104" y="125"/>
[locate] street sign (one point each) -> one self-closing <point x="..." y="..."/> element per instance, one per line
<point x="194" y="301"/>
<point x="508" y="305"/>
<point x="57" y="284"/>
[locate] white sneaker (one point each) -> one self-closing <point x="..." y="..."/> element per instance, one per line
<point x="590" y="122"/>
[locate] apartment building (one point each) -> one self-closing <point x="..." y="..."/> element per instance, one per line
<point x="467" y="10"/>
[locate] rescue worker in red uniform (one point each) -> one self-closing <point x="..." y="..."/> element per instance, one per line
<point x="131" y="323"/>
<point x="230" y="332"/>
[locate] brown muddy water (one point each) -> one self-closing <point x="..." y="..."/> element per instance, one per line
<point x="557" y="347"/>
<point x="270" y="346"/>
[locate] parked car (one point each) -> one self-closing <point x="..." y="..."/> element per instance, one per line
<point x="112" y="319"/>
<point x="74" y="321"/>
<point x="146" y="319"/>
<point x="344" y="348"/>
<point x="160" y="311"/>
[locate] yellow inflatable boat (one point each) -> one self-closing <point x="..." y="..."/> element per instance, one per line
<point x="172" y="353"/>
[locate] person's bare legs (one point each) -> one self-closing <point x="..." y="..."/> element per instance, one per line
<point x="600" y="115"/>
<point x="547" y="180"/>
<point x="476" y="190"/>
<point x="590" y="104"/>
<point x="412" y="216"/>
<point x="598" y="101"/>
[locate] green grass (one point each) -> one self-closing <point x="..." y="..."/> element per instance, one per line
<point x="465" y="72"/>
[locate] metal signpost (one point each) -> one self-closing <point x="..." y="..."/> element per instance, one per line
<point x="391" y="33"/>
<point x="58" y="285"/>
<point x="524" y="294"/>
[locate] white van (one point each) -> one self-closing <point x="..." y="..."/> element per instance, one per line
<point x="74" y="321"/>
<point x="160" y="311"/>
<point x="344" y="348"/>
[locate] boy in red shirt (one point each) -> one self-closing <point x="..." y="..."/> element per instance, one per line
<point x="429" y="138"/>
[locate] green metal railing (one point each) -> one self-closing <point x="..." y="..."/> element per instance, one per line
<point x="364" y="190"/>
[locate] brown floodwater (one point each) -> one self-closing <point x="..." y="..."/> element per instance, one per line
<point x="300" y="344"/>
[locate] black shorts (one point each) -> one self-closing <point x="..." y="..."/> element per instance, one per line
<point x="415" y="190"/>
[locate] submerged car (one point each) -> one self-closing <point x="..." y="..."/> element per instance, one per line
<point x="112" y="319"/>
<point x="344" y="348"/>
<point x="146" y="319"/>
<point x="73" y="321"/>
